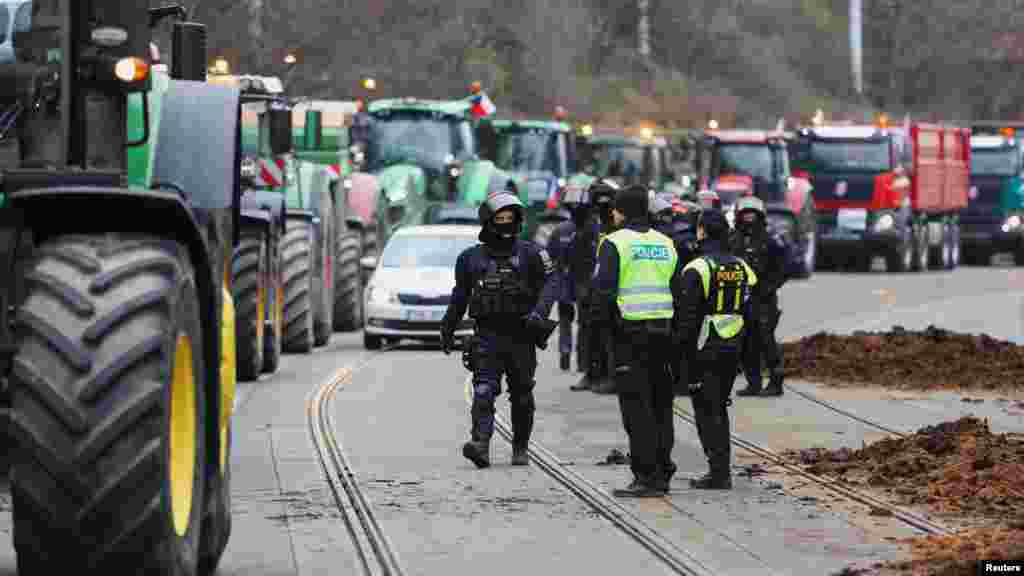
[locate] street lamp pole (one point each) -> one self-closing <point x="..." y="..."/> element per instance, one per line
<point x="857" y="46"/>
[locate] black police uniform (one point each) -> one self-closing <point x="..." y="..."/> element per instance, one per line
<point x="711" y="369"/>
<point x="558" y="249"/>
<point x="645" y="391"/>
<point x="598" y="347"/>
<point x="766" y="254"/>
<point x="509" y="286"/>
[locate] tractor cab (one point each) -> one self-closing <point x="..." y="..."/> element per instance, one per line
<point x="643" y="159"/>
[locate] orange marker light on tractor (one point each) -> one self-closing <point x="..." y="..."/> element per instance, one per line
<point x="475" y="88"/>
<point x="130" y="70"/>
<point x="883" y="121"/>
<point x="1008" y="132"/>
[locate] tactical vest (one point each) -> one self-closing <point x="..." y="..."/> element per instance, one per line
<point x="647" y="262"/>
<point x="726" y="285"/>
<point x="750" y="249"/>
<point x="501" y="292"/>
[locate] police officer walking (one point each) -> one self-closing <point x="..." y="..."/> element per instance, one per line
<point x="716" y="288"/>
<point x="509" y="286"/>
<point x="766" y="254"/>
<point x="638" y="272"/>
<point x="558" y="249"/>
<point x="593" y="226"/>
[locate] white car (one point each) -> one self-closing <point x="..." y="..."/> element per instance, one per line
<point x="412" y="283"/>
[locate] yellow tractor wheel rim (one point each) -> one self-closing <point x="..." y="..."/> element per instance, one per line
<point x="183" y="435"/>
<point x="261" y="305"/>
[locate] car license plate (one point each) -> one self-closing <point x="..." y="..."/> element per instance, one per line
<point x="422" y="315"/>
<point x="852" y="219"/>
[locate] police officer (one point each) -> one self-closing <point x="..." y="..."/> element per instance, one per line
<point x="638" y="272"/>
<point x="676" y="225"/>
<point x="716" y="288"/>
<point x="593" y="226"/>
<point x="766" y="253"/>
<point x="509" y="286"/>
<point x="558" y="248"/>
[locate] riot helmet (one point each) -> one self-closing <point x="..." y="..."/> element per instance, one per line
<point x="496" y="202"/>
<point x="661" y="210"/>
<point x="632" y="202"/>
<point x="709" y="199"/>
<point x="750" y="215"/>
<point x="716" y="227"/>
<point x="602" y="195"/>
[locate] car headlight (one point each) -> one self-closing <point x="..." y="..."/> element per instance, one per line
<point x="347" y="183"/>
<point x="454" y="171"/>
<point x="885" y="222"/>
<point x="1012" y="223"/>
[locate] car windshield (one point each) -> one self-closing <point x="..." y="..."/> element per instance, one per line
<point x="754" y="160"/>
<point x="995" y="161"/>
<point x="851" y="156"/>
<point x="427" y="139"/>
<point x="423" y="251"/>
<point x="532" y="150"/>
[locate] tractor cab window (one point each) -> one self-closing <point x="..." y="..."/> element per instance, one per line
<point x="870" y="156"/>
<point x="1003" y="161"/>
<point x="759" y="161"/>
<point x="620" y="161"/>
<point x="424" y="138"/>
<point x="23" y="17"/>
<point x="656" y="167"/>
<point x="532" y="150"/>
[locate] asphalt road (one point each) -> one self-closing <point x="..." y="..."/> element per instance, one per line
<point x="402" y="418"/>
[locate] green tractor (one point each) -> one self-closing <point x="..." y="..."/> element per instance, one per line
<point x="117" y="322"/>
<point x="423" y="153"/>
<point x="321" y="137"/>
<point x="543" y="153"/>
<point x="643" y="159"/>
<point x="306" y="250"/>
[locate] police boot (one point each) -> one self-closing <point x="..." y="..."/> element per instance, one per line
<point x="478" y="452"/>
<point x="774" y="385"/>
<point x="640" y="489"/>
<point x="753" y="384"/>
<point x="585" y="383"/>
<point x="522" y="427"/>
<point x="712" y="481"/>
<point x="564" y="362"/>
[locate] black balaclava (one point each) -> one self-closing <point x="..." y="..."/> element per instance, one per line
<point x="501" y="236"/>
<point x="751" y="226"/>
<point x="580" y="215"/>
<point x="716" y="228"/>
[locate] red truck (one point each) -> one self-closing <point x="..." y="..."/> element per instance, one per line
<point x="893" y="192"/>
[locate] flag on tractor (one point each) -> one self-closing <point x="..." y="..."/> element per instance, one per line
<point x="482" y="105"/>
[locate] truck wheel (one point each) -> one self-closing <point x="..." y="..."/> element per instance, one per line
<point x="954" y="256"/>
<point x="370" y="241"/>
<point x="1018" y="254"/>
<point x="248" y="288"/>
<point x="371" y="342"/>
<point x="901" y="259"/>
<point x="947" y="246"/>
<point x="922" y="249"/>
<point x="108" y="410"/>
<point x="348" y="288"/>
<point x="323" y="318"/>
<point x="297" y="261"/>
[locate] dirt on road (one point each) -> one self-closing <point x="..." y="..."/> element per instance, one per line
<point x="960" y="472"/>
<point x="902" y="359"/>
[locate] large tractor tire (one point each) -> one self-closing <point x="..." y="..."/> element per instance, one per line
<point x="297" y="261"/>
<point x="370" y="240"/>
<point x="272" y="335"/>
<point x="249" y="290"/>
<point x="348" y="285"/>
<point x="217" y="520"/>
<point x="108" y="409"/>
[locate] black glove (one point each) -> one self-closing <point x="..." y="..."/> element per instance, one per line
<point x="541" y="329"/>
<point x="447" y="340"/>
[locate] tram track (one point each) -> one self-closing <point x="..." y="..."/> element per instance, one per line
<point x="909" y="517"/>
<point x="375" y="552"/>
<point x="673" y="556"/>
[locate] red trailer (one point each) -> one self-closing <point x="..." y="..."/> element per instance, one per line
<point x="895" y="192"/>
